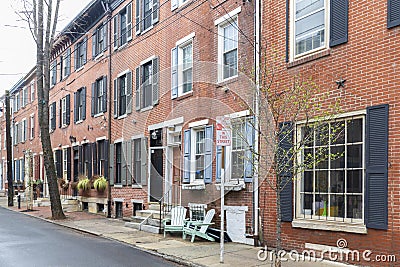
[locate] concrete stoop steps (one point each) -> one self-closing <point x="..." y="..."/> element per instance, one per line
<point x="70" y="205"/>
<point x="146" y="220"/>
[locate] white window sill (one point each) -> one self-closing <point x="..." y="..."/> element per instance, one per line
<point x="79" y="122"/>
<point x="98" y="115"/>
<point x="146" y="108"/>
<point x="137" y="186"/>
<point x="100" y="55"/>
<point x="80" y="68"/>
<point x="358" y="228"/>
<point x="118" y="185"/>
<point x="222" y="81"/>
<point x="194" y="186"/>
<point x="122" y="117"/>
<point x="232" y="186"/>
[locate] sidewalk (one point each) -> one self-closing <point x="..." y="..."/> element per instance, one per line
<point x="174" y="248"/>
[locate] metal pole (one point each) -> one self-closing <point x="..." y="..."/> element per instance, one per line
<point x="109" y="17"/>
<point x="222" y="235"/>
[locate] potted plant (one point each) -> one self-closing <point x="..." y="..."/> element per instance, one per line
<point x="100" y="184"/>
<point x="63" y="184"/>
<point x="84" y="183"/>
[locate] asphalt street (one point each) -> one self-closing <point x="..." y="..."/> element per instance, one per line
<point x="27" y="241"/>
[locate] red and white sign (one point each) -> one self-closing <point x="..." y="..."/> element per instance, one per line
<point x="224" y="136"/>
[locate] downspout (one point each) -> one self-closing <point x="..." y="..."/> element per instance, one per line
<point x="109" y="18"/>
<point x="257" y="32"/>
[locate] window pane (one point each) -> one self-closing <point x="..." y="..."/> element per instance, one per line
<point x="200" y="135"/>
<point x="354" y="131"/>
<point x="321" y="205"/>
<point x="354" y="181"/>
<point x="187" y="80"/>
<point x="304" y="7"/>
<point x="354" y="156"/>
<point x="322" y="158"/>
<point x="321" y="181"/>
<point x="337" y="182"/>
<point x="238" y="164"/>
<point x="308" y="158"/>
<point x="337" y="206"/>
<point x="354" y="207"/>
<point x="307" y="136"/>
<point x="230" y="63"/>
<point x="308" y="181"/>
<point x="199" y="167"/>
<point x="322" y="135"/>
<point x="307" y="200"/>
<point x="337" y="157"/>
<point x="337" y="132"/>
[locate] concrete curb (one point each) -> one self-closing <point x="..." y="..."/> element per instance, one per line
<point x="151" y="252"/>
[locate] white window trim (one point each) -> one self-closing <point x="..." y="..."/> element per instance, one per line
<point x="63" y="111"/>
<point x="180" y="66"/>
<point x="292" y="56"/>
<point x="198" y="123"/>
<point x="349" y="224"/>
<point x="193" y="139"/>
<point x="223" y="22"/>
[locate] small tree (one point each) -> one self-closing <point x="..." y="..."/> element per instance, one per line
<point x="41" y="17"/>
<point x="281" y="101"/>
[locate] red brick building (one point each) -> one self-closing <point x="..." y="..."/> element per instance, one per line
<point x="349" y="47"/>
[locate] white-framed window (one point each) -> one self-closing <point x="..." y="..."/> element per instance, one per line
<point x="99" y="96"/>
<point x="123" y="94"/>
<point x="182" y="67"/>
<point x="63" y="112"/>
<point x="309" y="26"/>
<point x="16" y="131"/>
<point x="52" y="116"/>
<point x="17" y="102"/>
<point x="65" y="163"/>
<point x="177" y="3"/>
<point x="80" y="105"/>
<point x="66" y="64"/>
<point x="80" y="54"/>
<point x="32" y="126"/>
<point x="24" y="130"/>
<point x="24" y="96"/>
<point x="53" y="73"/>
<point x="198" y="157"/>
<point x="99" y="40"/>
<point x="123" y="26"/>
<point x="147" y="84"/>
<point x="32" y="91"/>
<point x="332" y="187"/>
<point x="228" y="48"/>
<point x="146" y="14"/>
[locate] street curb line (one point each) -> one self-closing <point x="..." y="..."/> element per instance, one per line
<point x="152" y="252"/>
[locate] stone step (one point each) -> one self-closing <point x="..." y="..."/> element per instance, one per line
<point x="146" y="213"/>
<point x="154" y="206"/>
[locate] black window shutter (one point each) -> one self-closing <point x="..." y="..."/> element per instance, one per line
<point x="105" y="156"/>
<point x="129" y="93"/>
<point x="68" y="109"/>
<point x="156" y="89"/>
<point x="116" y="91"/>
<point x="69" y="164"/>
<point x="94" y="43"/>
<point x="104" y="94"/>
<point x="75" y="107"/>
<point x="393" y="13"/>
<point x="59" y="163"/>
<point x="377" y="132"/>
<point x="94" y="158"/>
<point x="137" y="86"/>
<point x="76" y="57"/>
<point x="285" y="165"/>
<point x="81" y="159"/>
<point x="88" y="158"/>
<point x="60" y="118"/>
<point x="338" y="22"/>
<point x="94" y="97"/>
<point x="53" y="120"/>
<point x="83" y="99"/>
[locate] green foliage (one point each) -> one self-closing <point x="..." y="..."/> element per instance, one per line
<point x="100" y="184"/>
<point x="84" y="184"/>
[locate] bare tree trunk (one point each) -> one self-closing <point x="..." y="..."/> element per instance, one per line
<point x="43" y="85"/>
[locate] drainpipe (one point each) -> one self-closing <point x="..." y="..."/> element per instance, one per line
<point x="257" y="32"/>
<point x="109" y="17"/>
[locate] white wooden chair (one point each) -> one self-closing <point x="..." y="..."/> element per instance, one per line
<point x="176" y="222"/>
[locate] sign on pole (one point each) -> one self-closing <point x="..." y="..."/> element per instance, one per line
<point x="224" y="138"/>
<point x="223" y="131"/>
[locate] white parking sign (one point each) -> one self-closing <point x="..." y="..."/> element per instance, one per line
<point x="223" y="131"/>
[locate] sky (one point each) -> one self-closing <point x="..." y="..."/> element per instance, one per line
<point x="17" y="49"/>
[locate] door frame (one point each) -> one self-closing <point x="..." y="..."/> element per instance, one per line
<point x="149" y="172"/>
